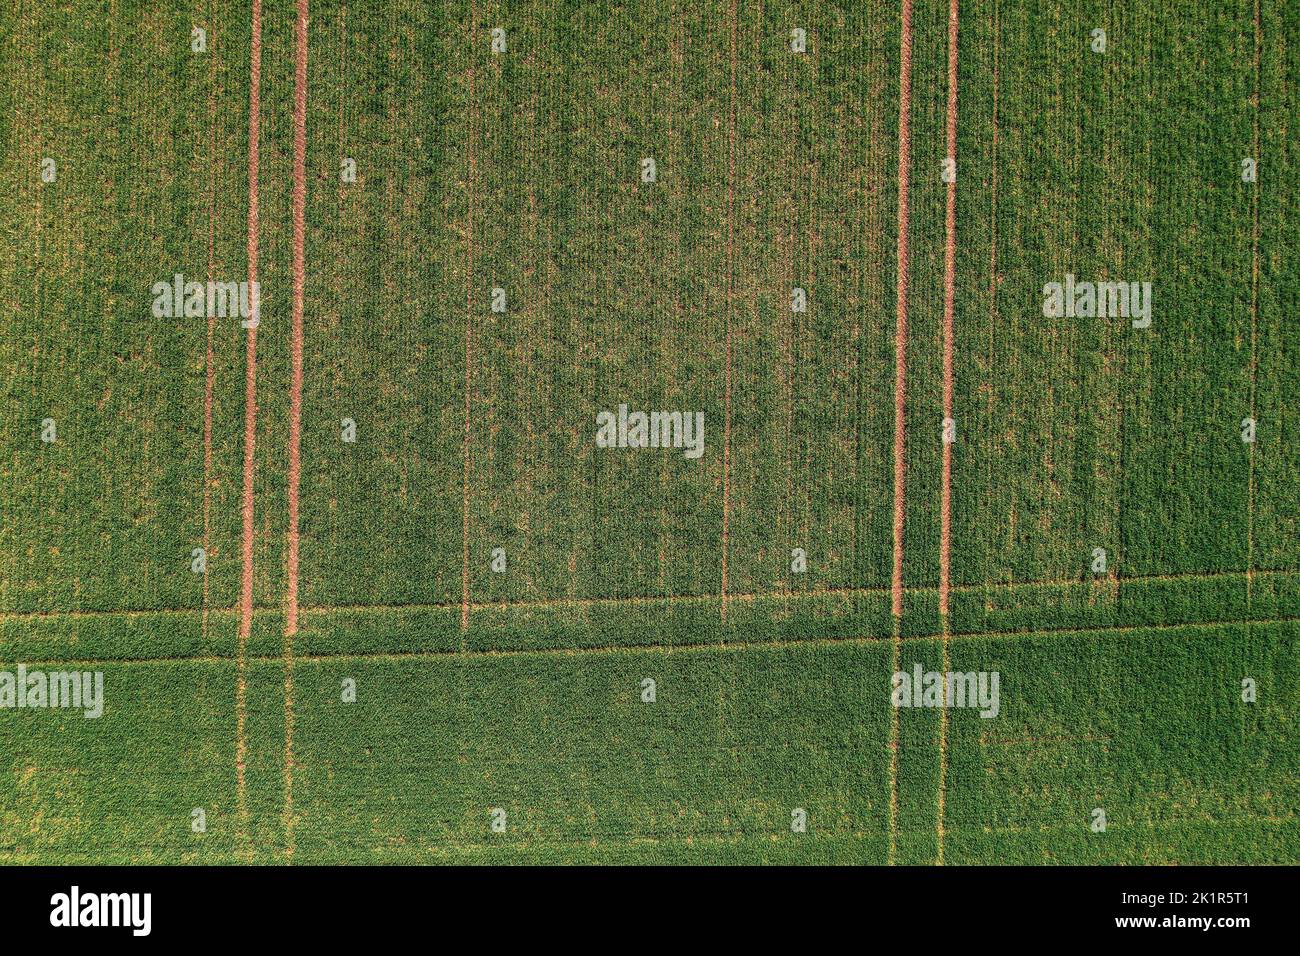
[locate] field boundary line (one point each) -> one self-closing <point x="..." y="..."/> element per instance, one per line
<point x="993" y="279"/>
<point x="949" y="302"/>
<point x="295" y="399"/>
<point x="1021" y="741"/>
<point x="945" y="509"/>
<point x="299" y="202"/>
<point x="209" y="371"/>
<point x="1254" y="310"/>
<point x="250" y="429"/>
<point x="859" y="640"/>
<point x="471" y="171"/>
<point x="731" y="297"/>
<point x="1147" y="825"/>
<point x="382" y="851"/>
<point x="900" y="394"/>
<point x="618" y="843"/>
<point x="632" y="841"/>
<point x="900" y="305"/>
<point x="844" y="592"/>
<point x="342" y="81"/>
<point x="895" y="735"/>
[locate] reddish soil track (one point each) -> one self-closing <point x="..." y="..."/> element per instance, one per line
<point x="210" y="377"/>
<point x="295" y="398"/>
<point x="945" y="509"/>
<point x="900" y="327"/>
<point x="250" y="420"/>
<point x="299" y="281"/>
<point x="731" y="291"/>
<point x="949" y="298"/>
<point x="1254" y="318"/>
<point x="469" y="321"/>
<point x="900" y="394"/>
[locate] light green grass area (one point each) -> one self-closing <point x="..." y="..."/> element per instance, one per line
<point x="521" y="171"/>
<point x="1148" y="727"/>
<point x="124" y="788"/>
<point x="734" y="742"/>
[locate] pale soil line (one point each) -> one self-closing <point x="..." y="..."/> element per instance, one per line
<point x="1149" y="826"/>
<point x="900" y="326"/>
<point x="250" y="429"/>
<point x="128" y="613"/>
<point x="785" y="519"/>
<point x="993" y="274"/>
<point x="1254" y="318"/>
<point x="1008" y="586"/>
<point x="1045" y="740"/>
<point x="430" y="853"/>
<point x="209" y="385"/>
<point x="342" y="81"/>
<point x="945" y="511"/>
<point x="897" y="641"/>
<point x="900" y="395"/>
<point x="895" y="658"/>
<point x="469" y="328"/>
<point x="755" y="596"/>
<point x="939" y="826"/>
<point x="1054" y="633"/>
<point x="949" y="297"/>
<point x="299" y="201"/>
<point x="295" y="400"/>
<point x="731" y="291"/>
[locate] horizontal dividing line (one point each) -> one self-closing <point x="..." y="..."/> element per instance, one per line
<point x="1227" y="823"/>
<point x="1099" y="583"/>
<point x="517" y="842"/>
<point x="111" y="612"/>
<point x="593" y="759"/>
<point x="523" y="844"/>
<point x="315" y="609"/>
<point x="1028" y="741"/>
<point x="729" y="647"/>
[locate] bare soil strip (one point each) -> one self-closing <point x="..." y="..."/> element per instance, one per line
<point x="712" y="646"/>
<point x="945" y="510"/>
<point x="895" y="660"/>
<point x="250" y="426"/>
<point x="731" y="290"/>
<point x="295" y="347"/>
<point x="295" y="399"/>
<point x="900" y="395"/>
<point x="210" y="380"/>
<point x="1254" y="319"/>
<point x="900" y="325"/>
<point x="993" y="274"/>
<point x="949" y="297"/>
<point x="469" y="319"/>
<point x="1008" y="587"/>
<point x="1020" y="741"/>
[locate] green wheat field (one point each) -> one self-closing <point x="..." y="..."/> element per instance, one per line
<point x="485" y="594"/>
